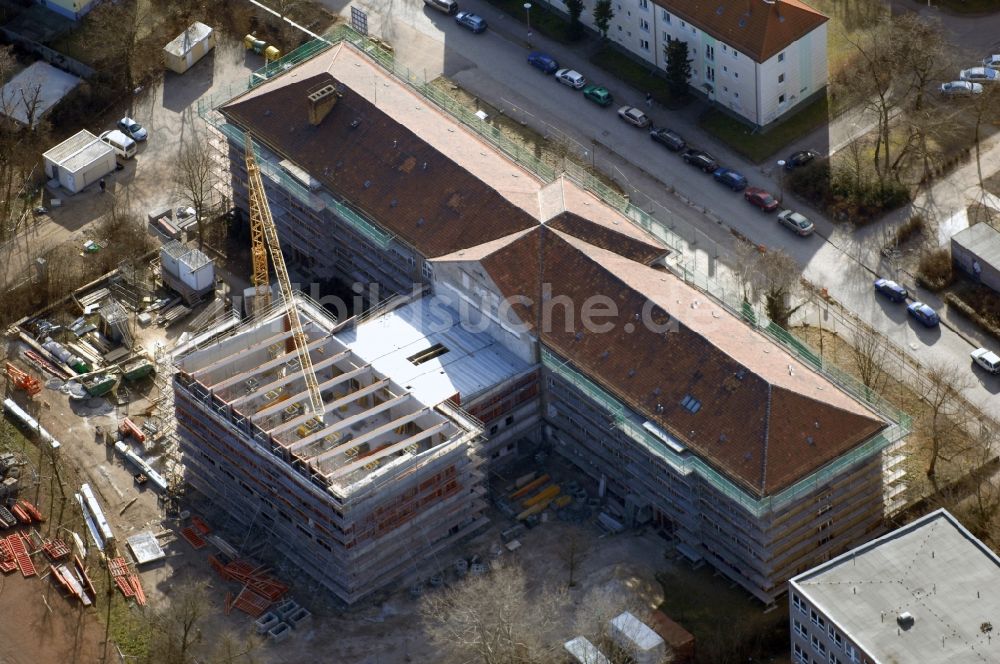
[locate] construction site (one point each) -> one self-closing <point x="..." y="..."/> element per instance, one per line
<point x="336" y="466"/>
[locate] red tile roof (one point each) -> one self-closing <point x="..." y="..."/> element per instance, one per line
<point x="607" y="238"/>
<point x="754" y="430"/>
<point x="381" y="167"/>
<point x="754" y="27"/>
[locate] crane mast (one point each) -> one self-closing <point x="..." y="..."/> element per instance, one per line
<point x="262" y="228"/>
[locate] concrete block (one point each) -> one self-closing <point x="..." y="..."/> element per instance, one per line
<point x="279" y="632"/>
<point x="299" y="618"/>
<point x="287" y="608"/>
<point x="266" y="622"/>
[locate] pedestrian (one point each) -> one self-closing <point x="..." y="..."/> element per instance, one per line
<point x="649" y="99"/>
<point x="104" y="185"/>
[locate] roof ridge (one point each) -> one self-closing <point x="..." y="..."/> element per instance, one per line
<point x="767" y="437"/>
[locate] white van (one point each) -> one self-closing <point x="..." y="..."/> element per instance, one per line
<point x="446" y="6"/>
<point x="122" y="144"/>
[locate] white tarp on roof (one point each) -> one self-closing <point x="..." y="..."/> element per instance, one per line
<point x="40" y="87"/>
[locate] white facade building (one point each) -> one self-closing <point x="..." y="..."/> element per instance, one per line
<point x="758" y="58"/>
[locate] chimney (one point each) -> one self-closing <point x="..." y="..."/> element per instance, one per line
<point x="322" y="99"/>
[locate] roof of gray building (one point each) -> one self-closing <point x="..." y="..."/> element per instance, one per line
<point x="933" y="569"/>
<point x="983" y="240"/>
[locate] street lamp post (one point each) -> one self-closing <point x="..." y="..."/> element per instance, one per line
<point x="527" y="14"/>
<point x="781" y="181"/>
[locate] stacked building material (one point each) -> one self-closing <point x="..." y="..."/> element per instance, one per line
<point x="7" y="561"/>
<point x="21" y="555"/>
<point x="55" y="549"/>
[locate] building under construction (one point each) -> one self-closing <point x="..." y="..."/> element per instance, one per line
<point x="696" y="415"/>
<point x="387" y="476"/>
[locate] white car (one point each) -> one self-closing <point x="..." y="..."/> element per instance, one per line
<point x="633" y="116"/>
<point x="571" y="77"/>
<point x="796" y="222"/>
<point x="980" y="74"/>
<point x="988" y="360"/>
<point x="961" y="89"/>
<point x="992" y="61"/>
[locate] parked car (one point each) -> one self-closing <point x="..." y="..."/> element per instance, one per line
<point x="571" y="77"/>
<point x="923" y="313"/>
<point x="961" y="89"/>
<point x="471" y="21"/>
<point x="987" y="359"/>
<point x="797" y="222"/>
<point x="732" y="179"/>
<point x="598" y="94"/>
<point x="633" y="116"/>
<point x="800" y="158"/>
<point x="891" y="290"/>
<point x="543" y="61"/>
<point x="700" y="159"/>
<point x="671" y="139"/>
<point x="980" y="75"/>
<point x="760" y="198"/>
<point x="132" y="129"/>
<point x="992" y="61"/>
<point x="446" y="6"/>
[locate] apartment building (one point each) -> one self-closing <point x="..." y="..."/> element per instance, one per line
<point x="693" y="419"/>
<point x="760" y="59"/>
<point x="922" y="593"/>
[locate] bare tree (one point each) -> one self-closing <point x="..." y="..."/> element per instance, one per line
<point x="868" y="350"/>
<point x="596" y="609"/>
<point x="233" y="649"/>
<point x="772" y="276"/>
<point x="176" y="628"/>
<point x="573" y="549"/>
<point x="194" y="178"/>
<point x="494" y="619"/>
<point x="946" y="413"/>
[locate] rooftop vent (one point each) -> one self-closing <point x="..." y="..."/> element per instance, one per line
<point x="631" y="372"/>
<point x="656" y="391"/>
<point x="355" y="123"/>
<point x="659" y="408"/>
<point x="393" y="203"/>
<point x="368" y="183"/>
<point x="810" y="440"/>
<point x="605" y="354"/>
<point x="905" y="620"/>
<point x="321" y="100"/>
<point x="578" y="336"/>
<point x="429" y="354"/>
<point x="722" y="437"/>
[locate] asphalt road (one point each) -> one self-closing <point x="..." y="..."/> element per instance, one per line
<point x="492" y="66"/>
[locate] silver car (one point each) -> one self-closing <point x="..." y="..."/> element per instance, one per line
<point x="571" y="77"/>
<point x="983" y="74"/>
<point x="992" y="61"/>
<point x="961" y="89"/>
<point x="633" y="116"/>
<point x="797" y="222"/>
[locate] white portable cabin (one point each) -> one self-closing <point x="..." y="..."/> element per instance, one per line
<point x="189" y="47"/>
<point x="636" y="638"/>
<point x="80" y="160"/>
<point x="585" y="652"/>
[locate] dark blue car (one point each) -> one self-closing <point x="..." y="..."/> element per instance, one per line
<point x="730" y="178"/>
<point x="543" y="61"/>
<point x="923" y="313"/>
<point x="471" y="21"/>
<point x="891" y="290"/>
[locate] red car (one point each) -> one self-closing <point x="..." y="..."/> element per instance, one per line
<point x="760" y="198"/>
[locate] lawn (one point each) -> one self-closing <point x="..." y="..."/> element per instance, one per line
<point x="642" y="78"/>
<point x="758" y="146"/>
<point x="549" y="23"/>
<point x="727" y="623"/>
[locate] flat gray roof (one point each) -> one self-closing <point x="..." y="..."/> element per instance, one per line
<point x="932" y="568"/>
<point x="49" y="83"/>
<point x="983" y="240"/>
<point x="471" y="362"/>
<point x="77" y="151"/>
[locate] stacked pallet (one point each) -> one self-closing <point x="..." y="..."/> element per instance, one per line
<point x="7" y="561"/>
<point x="55" y="549"/>
<point x="259" y="591"/>
<point x="21" y="555"/>
<point x="127" y="582"/>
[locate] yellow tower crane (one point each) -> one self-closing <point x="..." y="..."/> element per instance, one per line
<point x="262" y="228"/>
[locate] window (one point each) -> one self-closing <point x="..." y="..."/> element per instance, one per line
<point x="643" y="4"/>
<point x="644" y="44"/>
<point x="683" y="24"/>
<point x="799" y="629"/>
<point x="709" y="51"/>
<point x="834" y="659"/>
<point x="826" y="524"/>
<point x="818" y="646"/>
<point x="644" y="24"/>
<point x="493" y="430"/>
<point x="735" y="54"/>
<point x="710" y="73"/>
<point x="666" y="37"/>
<point x="781" y="99"/>
<point x="510" y="420"/>
<point x="736" y="74"/>
<point x="723" y="48"/>
<point x="666" y="17"/>
<point x="725" y="68"/>
<point x="817" y="619"/>
<point x="725" y="89"/>
<point x="800" y="657"/>
<point x="736" y="94"/>
<point x="781" y="57"/>
<point x="798" y="603"/>
<point x="781" y="78"/>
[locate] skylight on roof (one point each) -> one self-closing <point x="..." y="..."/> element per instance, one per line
<point x="691" y="403"/>
<point x="436" y="350"/>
